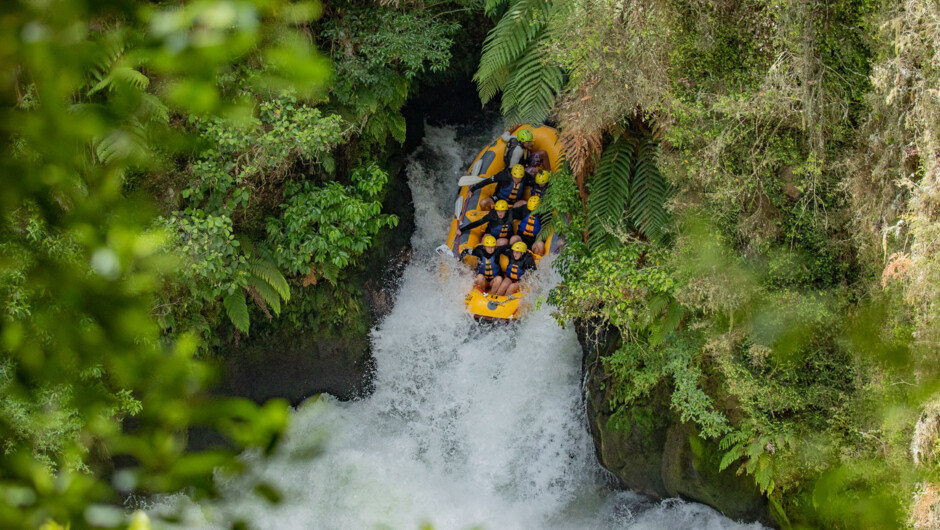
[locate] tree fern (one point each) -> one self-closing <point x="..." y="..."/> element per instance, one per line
<point x="530" y="90"/>
<point x="268" y="294"/>
<point x="649" y="192"/>
<point x="610" y="191"/>
<point x="509" y="40"/>
<point x="268" y="271"/>
<point x="237" y="310"/>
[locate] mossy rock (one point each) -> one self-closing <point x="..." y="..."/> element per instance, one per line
<point x="651" y="451"/>
<point x="690" y="471"/>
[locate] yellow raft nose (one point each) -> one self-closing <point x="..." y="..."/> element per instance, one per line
<point x="492" y="307"/>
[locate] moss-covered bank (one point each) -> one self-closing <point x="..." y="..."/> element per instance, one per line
<point x="651" y="451"/>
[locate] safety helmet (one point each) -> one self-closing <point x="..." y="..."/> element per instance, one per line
<point x="518" y="171"/>
<point x="542" y="178"/>
<point x="533" y="203"/>
<point x="519" y="246"/>
<point x="501" y="206"/>
<point x="489" y="241"/>
<point x="524" y="135"/>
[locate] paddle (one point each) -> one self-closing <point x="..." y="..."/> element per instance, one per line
<point x="469" y="180"/>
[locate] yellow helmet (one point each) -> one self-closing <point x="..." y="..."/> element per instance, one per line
<point x="519" y="246"/>
<point x="489" y="241"/>
<point x="518" y="171"/>
<point x="533" y="202"/>
<point x="524" y="135"/>
<point x="542" y="178"/>
<point x="501" y="206"/>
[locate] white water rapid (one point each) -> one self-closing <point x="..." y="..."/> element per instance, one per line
<point x="470" y="426"/>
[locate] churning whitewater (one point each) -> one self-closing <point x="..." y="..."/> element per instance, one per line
<point x="468" y="426"/>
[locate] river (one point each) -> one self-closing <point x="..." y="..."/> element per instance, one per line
<point x="469" y="426"/>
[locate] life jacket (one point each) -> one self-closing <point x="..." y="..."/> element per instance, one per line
<point x="538" y="190"/>
<point x="487" y="265"/>
<point x="511" y="146"/>
<point x="530" y="226"/>
<point x="510" y="194"/>
<point x="502" y="227"/>
<point x="514" y="272"/>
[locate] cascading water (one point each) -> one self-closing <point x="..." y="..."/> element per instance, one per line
<point x="469" y="425"/>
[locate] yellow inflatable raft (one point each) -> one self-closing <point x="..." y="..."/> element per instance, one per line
<point x="466" y="209"/>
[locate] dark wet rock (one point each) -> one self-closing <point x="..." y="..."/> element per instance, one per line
<point x="650" y="451"/>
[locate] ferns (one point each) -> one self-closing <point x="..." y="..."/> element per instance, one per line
<point x="237" y="310"/>
<point x="265" y="284"/>
<point x="267" y="271"/>
<point x="628" y="193"/>
<point x="649" y="192"/>
<point x="610" y="192"/>
<point x="513" y="62"/>
<point x="114" y="73"/>
<point x="529" y="92"/>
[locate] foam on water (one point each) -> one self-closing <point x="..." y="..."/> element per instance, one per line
<point x="469" y="425"/>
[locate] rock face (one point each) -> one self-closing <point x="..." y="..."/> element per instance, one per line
<point x="651" y="451"/>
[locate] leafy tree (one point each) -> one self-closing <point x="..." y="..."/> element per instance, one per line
<point x="86" y="87"/>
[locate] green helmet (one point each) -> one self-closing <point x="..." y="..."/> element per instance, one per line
<point x="524" y="135"/>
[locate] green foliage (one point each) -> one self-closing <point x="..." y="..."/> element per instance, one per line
<point x="610" y="192"/>
<point x="325" y="228"/>
<point x="649" y="192"/>
<point x="88" y="88"/>
<point x="514" y="62"/>
<point x="231" y="180"/>
<point x="800" y="134"/>
<point x="377" y="53"/>
<point x="628" y="193"/>
<point x="237" y="310"/>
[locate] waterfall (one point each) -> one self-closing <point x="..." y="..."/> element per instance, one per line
<point x="470" y="425"/>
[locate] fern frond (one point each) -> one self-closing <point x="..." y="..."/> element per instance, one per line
<point x="153" y="110"/>
<point x="127" y="143"/>
<point x="582" y="150"/>
<point x="268" y="271"/>
<point x="237" y="310"/>
<point x="267" y="293"/>
<point x="735" y="453"/>
<point x="610" y="191"/>
<point x="490" y="7"/>
<point x="733" y="438"/>
<point x="506" y="42"/>
<point x="530" y="91"/>
<point x="650" y="192"/>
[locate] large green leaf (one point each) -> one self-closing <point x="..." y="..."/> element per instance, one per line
<point x="268" y="293"/>
<point x="237" y="310"/>
<point x="649" y="192"/>
<point x="507" y="42"/>
<point x="269" y="272"/>
<point x="610" y="192"/>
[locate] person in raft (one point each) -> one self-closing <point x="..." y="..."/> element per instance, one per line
<point x="509" y="186"/>
<point x="489" y="275"/>
<point x="520" y="261"/>
<point x="541" y="184"/>
<point x="498" y="223"/>
<point x="530" y="226"/>
<point x="518" y="147"/>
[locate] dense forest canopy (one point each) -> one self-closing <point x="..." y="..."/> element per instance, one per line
<point x="751" y="189"/>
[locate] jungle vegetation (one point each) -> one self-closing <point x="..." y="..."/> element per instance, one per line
<point x="177" y="175"/>
<point x="752" y="192"/>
